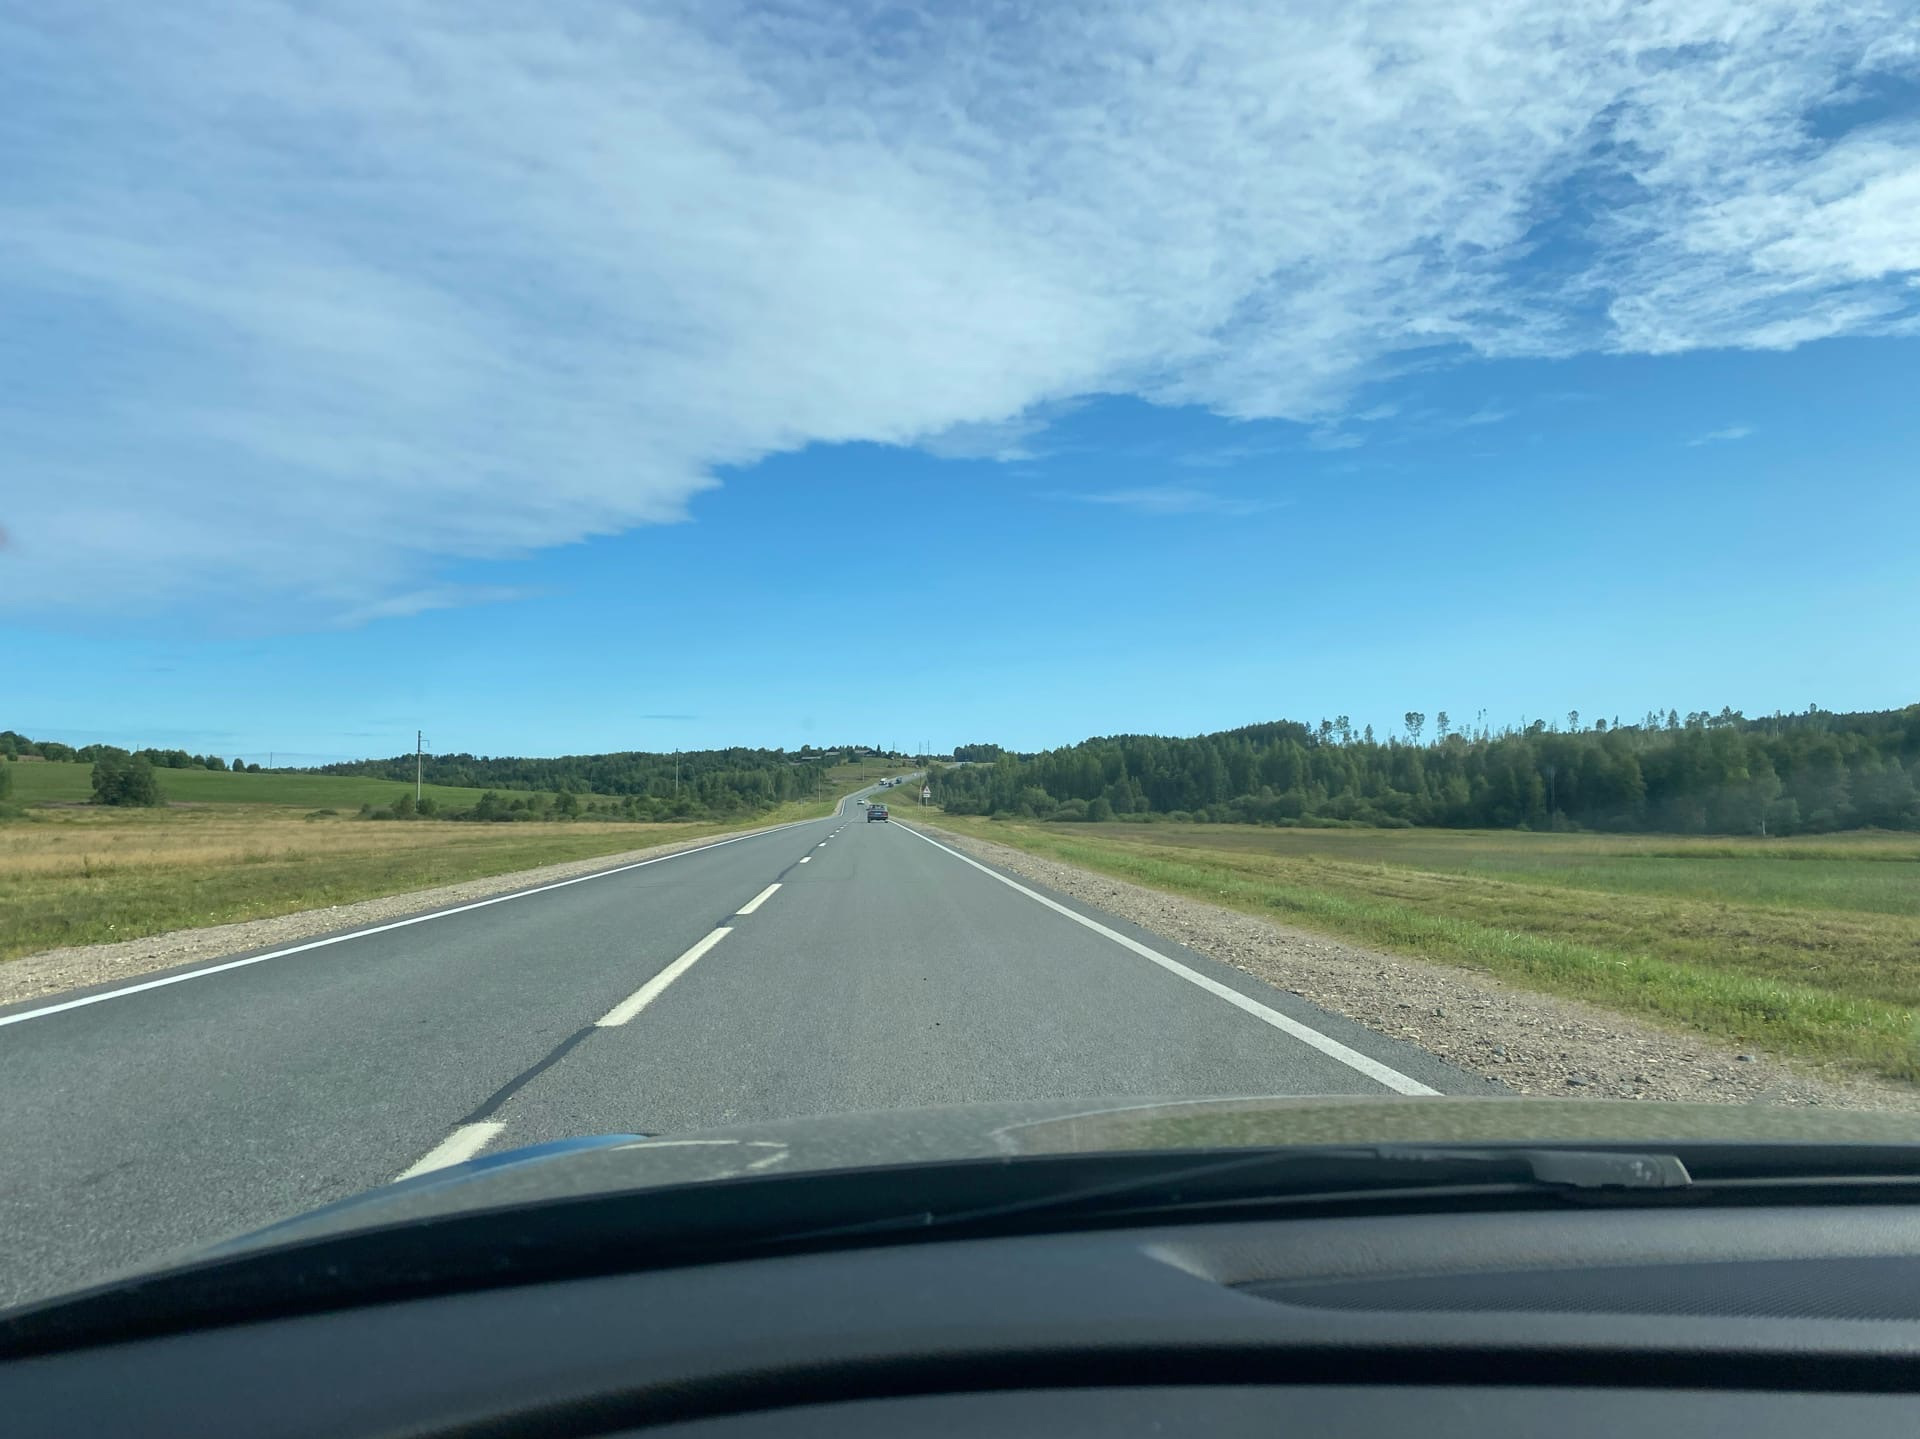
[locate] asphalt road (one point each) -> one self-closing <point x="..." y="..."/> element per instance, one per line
<point x="884" y="971"/>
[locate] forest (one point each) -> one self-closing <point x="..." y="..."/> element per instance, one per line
<point x="1703" y="773"/>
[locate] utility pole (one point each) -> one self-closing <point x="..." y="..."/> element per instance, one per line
<point x="416" y="769"/>
<point x="676" y="775"/>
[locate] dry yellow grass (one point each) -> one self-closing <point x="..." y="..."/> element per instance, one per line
<point x="86" y="876"/>
<point x="86" y="844"/>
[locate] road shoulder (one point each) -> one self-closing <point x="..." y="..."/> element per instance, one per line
<point x="59" y="972"/>
<point x="1532" y="1043"/>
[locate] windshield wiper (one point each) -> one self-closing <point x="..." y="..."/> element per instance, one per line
<point x="1315" y="1175"/>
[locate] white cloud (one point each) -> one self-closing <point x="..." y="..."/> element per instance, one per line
<point x="1331" y="437"/>
<point x="434" y="597"/>
<point x="315" y="299"/>
<point x="1729" y="432"/>
<point x="1008" y="440"/>
<point x="1175" y="500"/>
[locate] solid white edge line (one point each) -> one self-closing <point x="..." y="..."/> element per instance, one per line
<point x="1392" y="1078"/>
<point x="457" y="1148"/>
<point x="647" y="993"/>
<point x="325" y="940"/>
<point x="759" y="899"/>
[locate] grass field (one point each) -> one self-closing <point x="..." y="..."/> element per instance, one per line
<point x="1805" y="947"/>
<point x="845" y="778"/>
<point x="81" y="875"/>
<point x="73" y="783"/>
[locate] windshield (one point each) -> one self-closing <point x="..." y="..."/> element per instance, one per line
<point x="1364" y="555"/>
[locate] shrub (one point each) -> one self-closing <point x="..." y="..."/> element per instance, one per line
<point x="125" y="781"/>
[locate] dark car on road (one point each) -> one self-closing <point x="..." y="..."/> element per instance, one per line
<point x="876" y="811"/>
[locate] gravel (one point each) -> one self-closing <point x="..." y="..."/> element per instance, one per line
<point x="54" y="971"/>
<point x="1531" y="1043"/>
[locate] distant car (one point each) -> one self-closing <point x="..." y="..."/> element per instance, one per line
<point x="876" y="811"/>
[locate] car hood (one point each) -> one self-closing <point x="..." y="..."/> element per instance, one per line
<point x="607" y="1164"/>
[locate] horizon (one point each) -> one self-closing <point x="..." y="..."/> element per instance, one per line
<point x="1479" y="728"/>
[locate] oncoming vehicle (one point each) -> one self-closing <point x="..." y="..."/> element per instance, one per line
<point x="876" y="811"/>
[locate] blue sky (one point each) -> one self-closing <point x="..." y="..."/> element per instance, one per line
<point x="677" y="376"/>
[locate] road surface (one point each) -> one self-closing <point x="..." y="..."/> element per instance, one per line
<point x="824" y="967"/>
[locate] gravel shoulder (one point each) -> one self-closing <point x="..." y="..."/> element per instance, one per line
<point x="56" y="971"/>
<point x="1532" y="1043"/>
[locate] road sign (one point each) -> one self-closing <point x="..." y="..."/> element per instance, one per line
<point x="926" y="791"/>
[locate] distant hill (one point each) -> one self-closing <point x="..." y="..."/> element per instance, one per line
<point x="716" y="780"/>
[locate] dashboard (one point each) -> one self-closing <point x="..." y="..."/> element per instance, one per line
<point x="1788" y="1321"/>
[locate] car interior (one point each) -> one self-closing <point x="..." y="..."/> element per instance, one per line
<point x="1749" y="1313"/>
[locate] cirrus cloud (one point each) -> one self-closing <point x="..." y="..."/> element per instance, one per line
<point x="312" y="301"/>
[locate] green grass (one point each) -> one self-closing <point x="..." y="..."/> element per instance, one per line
<point x="81" y="875"/>
<point x="1807" y="948"/>
<point x="73" y="783"/>
<point x="845" y="778"/>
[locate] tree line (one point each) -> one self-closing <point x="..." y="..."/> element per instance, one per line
<point x="639" y="785"/>
<point x="699" y="783"/>
<point x="1705" y="773"/>
<point x="14" y="745"/>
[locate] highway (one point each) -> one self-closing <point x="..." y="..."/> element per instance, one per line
<point x="824" y="967"/>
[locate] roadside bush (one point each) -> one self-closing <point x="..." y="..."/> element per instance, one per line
<point x="403" y="807"/>
<point x="1071" y="811"/>
<point x="125" y="781"/>
<point x="321" y="814"/>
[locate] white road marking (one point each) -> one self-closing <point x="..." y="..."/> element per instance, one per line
<point x="323" y="942"/>
<point x="805" y="858"/>
<point x="1392" y="1078"/>
<point x="759" y="899"/>
<point x="457" y="1148"/>
<point x="647" y="993"/>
